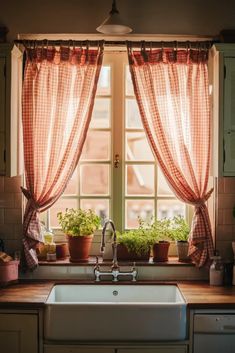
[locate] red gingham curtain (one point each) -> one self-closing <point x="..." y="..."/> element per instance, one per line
<point x="171" y="88"/>
<point x="58" y="97"/>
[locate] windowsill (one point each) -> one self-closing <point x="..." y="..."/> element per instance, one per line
<point x="173" y="261"/>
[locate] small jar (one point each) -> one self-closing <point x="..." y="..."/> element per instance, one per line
<point x="216" y="271"/>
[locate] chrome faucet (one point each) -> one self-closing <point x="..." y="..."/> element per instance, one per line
<point x="115" y="271"/>
<point x="114" y="244"/>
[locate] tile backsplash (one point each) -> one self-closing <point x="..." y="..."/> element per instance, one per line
<point x="225" y="222"/>
<point x="11" y="213"/>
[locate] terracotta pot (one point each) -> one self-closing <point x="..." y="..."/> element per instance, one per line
<point x="182" y="249"/>
<point x="61" y="251"/>
<point x="160" y="251"/>
<point x="79" y="248"/>
<point x="123" y="254"/>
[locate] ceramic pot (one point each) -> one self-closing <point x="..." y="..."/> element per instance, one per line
<point x="123" y="254"/>
<point x="61" y="251"/>
<point x="182" y="249"/>
<point x="160" y="251"/>
<point x="79" y="247"/>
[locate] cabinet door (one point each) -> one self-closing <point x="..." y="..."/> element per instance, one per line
<point x="157" y="349"/>
<point x="2" y="116"/>
<point x="75" y="349"/>
<point x="229" y="117"/>
<point x="18" y="333"/>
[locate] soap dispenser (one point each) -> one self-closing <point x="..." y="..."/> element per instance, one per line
<point x="216" y="270"/>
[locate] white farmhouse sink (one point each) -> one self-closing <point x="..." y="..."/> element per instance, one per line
<point x="115" y="312"/>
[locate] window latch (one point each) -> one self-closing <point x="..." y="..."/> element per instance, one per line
<point x="116" y="160"/>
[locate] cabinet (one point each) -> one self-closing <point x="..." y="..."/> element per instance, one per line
<point x="212" y="331"/>
<point x="157" y="349"/>
<point x="104" y="349"/>
<point x="75" y="349"/>
<point x="222" y="80"/>
<point x="18" y="333"/>
<point x="10" y="110"/>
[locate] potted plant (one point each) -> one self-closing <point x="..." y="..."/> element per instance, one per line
<point x="161" y="232"/>
<point x="135" y="245"/>
<point x="180" y="233"/>
<point x="79" y="226"/>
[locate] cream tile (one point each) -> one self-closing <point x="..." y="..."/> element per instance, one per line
<point x="228" y="217"/>
<point x="6" y="200"/>
<point x="7" y="231"/>
<point x="1" y="216"/>
<point x="13" y="216"/>
<point x="225" y="201"/>
<point x="225" y="233"/>
<point x="18" y="231"/>
<point x="229" y="185"/>
<point x="1" y="184"/>
<point x="220" y="217"/>
<point x="12" y="184"/>
<point x="225" y="249"/>
<point x="18" y="200"/>
<point x="12" y="245"/>
<point x="220" y="185"/>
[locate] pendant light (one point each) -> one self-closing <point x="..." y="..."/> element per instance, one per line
<point x="113" y="23"/>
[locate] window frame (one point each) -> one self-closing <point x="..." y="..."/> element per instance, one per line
<point x="118" y="136"/>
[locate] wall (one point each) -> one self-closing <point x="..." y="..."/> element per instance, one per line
<point x="225" y="229"/>
<point x="194" y="17"/>
<point x="11" y="213"/>
<point x="181" y="17"/>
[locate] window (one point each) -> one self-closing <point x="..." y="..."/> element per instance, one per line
<point x="117" y="175"/>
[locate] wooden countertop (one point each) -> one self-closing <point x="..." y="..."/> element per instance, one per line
<point x="198" y="295"/>
<point x="25" y="295"/>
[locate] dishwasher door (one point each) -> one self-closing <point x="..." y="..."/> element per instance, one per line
<point x="214" y="333"/>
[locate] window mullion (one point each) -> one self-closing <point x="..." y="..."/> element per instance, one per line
<point x="118" y="110"/>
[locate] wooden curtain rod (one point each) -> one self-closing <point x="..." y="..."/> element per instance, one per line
<point x="121" y="43"/>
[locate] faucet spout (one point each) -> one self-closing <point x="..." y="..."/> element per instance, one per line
<point x="102" y="247"/>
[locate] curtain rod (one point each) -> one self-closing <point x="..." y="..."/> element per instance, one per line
<point x="135" y="44"/>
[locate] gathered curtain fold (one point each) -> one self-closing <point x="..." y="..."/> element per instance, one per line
<point x="58" y="97"/>
<point x="171" y="88"/>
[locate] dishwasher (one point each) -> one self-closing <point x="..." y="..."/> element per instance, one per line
<point x="214" y="333"/>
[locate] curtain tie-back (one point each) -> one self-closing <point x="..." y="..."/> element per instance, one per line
<point x="201" y="202"/>
<point x="32" y="204"/>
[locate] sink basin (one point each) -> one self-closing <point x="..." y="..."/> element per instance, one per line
<point x="115" y="312"/>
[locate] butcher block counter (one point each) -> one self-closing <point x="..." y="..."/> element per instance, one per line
<point x="198" y="295"/>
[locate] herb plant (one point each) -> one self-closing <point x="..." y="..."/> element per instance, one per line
<point x="78" y="222"/>
<point x="180" y="229"/>
<point x="138" y="240"/>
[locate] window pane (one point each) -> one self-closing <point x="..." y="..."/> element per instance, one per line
<point x="137" y="147"/>
<point x="133" y="119"/>
<point x="129" y="85"/>
<point x="103" y="87"/>
<point x="170" y="208"/>
<point x="101" y="113"/>
<point x="100" y="206"/>
<point x="96" y="146"/>
<point x="72" y="187"/>
<point x="138" y="208"/>
<point x="139" y="180"/>
<point x="94" y="179"/>
<point x="163" y="188"/>
<point x="60" y="206"/>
